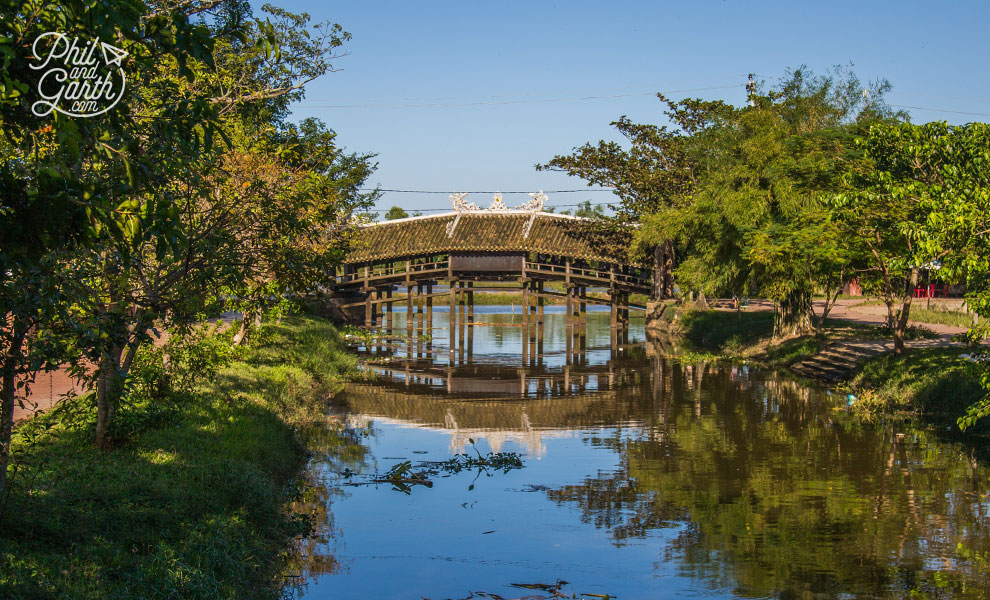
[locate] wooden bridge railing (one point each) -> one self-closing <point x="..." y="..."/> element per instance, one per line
<point x="409" y="271"/>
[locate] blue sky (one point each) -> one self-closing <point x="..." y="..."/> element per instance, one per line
<point x="470" y="95"/>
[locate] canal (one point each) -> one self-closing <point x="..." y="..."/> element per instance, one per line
<point x="642" y="477"/>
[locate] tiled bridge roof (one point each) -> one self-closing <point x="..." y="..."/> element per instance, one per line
<point x="487" y="232"/>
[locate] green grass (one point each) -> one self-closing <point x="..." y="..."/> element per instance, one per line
<point x="748" y="335"/>
<point x="934" y="384"/>
<point x="725" y="332"/>
<point x="192" y="504"/>
<point x="935" y="315"/>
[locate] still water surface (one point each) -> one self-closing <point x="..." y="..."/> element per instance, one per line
<point x="643" y="477"/>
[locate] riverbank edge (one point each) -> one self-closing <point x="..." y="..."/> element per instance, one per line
<point x="196" y="505"/>
<point x="930" y="387"/>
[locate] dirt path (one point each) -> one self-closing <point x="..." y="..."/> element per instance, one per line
<point x="847" y="310"/>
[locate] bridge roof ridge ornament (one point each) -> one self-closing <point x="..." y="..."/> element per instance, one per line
<point x="533" y="207"/>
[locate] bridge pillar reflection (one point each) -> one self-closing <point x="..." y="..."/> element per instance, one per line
<point x="470" y="318"/>
<point x="429" y="308"/>
<point x="462" y="318"/>
<point x="452" y="320"/>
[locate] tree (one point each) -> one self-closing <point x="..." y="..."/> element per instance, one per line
<point x="63" y="177"/>
<point x="920" y="196"/>
<point x="586" y="210"/>
<point x="917" y="196"/>
<point x="656" y="171"/>
<point x="753" y="222"/>
<point x="239" y="217"/>
<point x="292" y="226"/>
<point x="395" y="213"/>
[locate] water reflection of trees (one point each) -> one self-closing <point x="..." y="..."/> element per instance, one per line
<point x="783" y="494"/>
<point x="334" y="448"/>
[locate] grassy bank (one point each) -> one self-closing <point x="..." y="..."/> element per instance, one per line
<point x="932" y="385"/>
<point x="746" y="335"/>
<point x="192" y="502"/>
<point x="749" y="335"/>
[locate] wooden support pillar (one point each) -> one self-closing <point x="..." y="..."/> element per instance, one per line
<point x="462" y="319"/>
<point x="420" y="317"/>
<point x="534" y="330"/>
<point x="614" y="309"/>
<point x="525" y="304"/>
<point x="583" y="306"/>
<point x="375" y="302"/>
<point x="470" y="302"/>
<point x="470" y="319"/>
<point x="388" y="307"/>
<point x="569" y="311"/>
<point x="540" y="301"/>
<point x="409" y="308"/>
<point x="452" y="324"/>
<point x="368" y="304"/>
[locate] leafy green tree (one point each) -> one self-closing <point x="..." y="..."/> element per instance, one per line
<point x="656" y="171"/>
<point x="921" y="195"/>
<point x="207" y="226"/>
<point x="586" y="210"/>
<point x="754" y="222"/>
<point x="395" y="212"/>
<point x="63" y="178"/>
<point x="293" y="222"/>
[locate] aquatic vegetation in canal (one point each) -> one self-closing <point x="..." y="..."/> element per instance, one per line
<point x="403" y="476"/>
<point x="554" y="589"/>
<point x="361" y="336"/>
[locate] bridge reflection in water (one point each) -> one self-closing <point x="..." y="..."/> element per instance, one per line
<point x="560" y="375"/>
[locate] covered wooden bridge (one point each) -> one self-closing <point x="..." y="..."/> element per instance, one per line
<point x="450" y="256"/>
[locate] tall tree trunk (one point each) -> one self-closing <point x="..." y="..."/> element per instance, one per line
<point x="109" y="387"/>
<point x="792" y="314"/>
<point x="8" y="374"/>
<point x="831" y="298"/>
<point x="242" y="331"/>
<point x="249" y="320"/>
<point x="663" y="267"/>
<point x="902" y="319"/>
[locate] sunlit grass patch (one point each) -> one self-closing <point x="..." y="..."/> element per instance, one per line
<point x="935" y="383"/>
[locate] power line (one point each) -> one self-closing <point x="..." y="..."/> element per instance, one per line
<point x="945" y="110"/>
<point x="525" y="101"/>
<point x="449" y="209"/>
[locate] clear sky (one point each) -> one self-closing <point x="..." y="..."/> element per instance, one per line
<point x="470" y="95"/>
